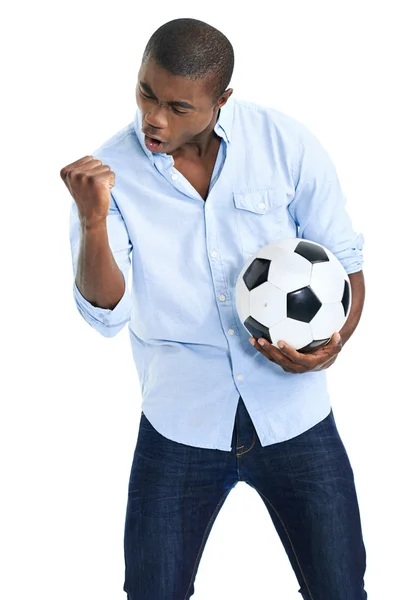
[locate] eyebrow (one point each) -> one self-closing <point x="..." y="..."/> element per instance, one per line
<point x="182" y="104"/>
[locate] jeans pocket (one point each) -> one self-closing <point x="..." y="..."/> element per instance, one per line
<point x="261" y="215"/>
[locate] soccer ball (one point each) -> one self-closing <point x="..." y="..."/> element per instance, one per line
<point x="293" y="290"/>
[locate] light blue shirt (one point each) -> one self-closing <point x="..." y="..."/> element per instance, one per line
<point x="272" y="179"/>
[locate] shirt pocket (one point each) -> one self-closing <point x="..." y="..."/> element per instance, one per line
<point x="261" y="215"/>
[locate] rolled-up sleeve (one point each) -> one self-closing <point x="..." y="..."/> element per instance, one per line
<point x="108" y="322"/>
<point x="319" y="205"/>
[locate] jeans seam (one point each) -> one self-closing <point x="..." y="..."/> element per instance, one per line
<point x="288" y="536"/>
<point x="202" y="539"/>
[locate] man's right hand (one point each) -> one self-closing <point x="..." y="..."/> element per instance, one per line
<point x="89" y="183"/>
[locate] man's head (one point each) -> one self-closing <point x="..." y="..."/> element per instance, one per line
<point x="185" y="61"/>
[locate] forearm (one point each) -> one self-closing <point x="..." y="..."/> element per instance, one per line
<point x="98" y="276"/>
<point x="357" y="303"/>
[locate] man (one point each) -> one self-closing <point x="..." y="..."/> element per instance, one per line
<point x="195" y="185"/>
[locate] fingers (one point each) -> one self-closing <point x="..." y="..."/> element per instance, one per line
<point x="276" y="356"/>
<point x="293" y="361"/>
<point x="316" y="358"/>
<point x="256" y="345"/>
<point x="75" y="165"/>
<point x="306" y="360"/>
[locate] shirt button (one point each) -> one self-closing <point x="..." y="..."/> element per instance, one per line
<point x="214" y="253"/>
<point x="261" y="205"/>
<point x="231" y="331"/>
<point x="174" y="176"/>
<point x="222" y="297"/>
<point x="239" y="377"/>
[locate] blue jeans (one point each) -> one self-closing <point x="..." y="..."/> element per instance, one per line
<point x="176" y="491"/>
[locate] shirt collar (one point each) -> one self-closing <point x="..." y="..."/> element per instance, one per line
<point x="223" y="128"/>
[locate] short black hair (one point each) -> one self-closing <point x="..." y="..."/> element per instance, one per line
<point x="193" y="49"/>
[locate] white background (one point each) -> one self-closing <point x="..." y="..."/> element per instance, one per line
<point x="70" y="399"/>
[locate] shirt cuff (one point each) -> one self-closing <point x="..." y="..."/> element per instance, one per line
<point x="104" y="318"/>
<point x="352" y="258"/>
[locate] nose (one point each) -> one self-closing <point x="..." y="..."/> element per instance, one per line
<point x="155" y="119"/>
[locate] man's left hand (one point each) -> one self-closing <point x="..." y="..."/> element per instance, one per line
<point x="296" y="362"/>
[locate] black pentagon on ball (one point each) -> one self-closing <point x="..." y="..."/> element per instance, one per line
<point x="303" y="304"/>
<point x="256" y="273"/>
<point x="311" y="252"/>
<point x="346" y="297"/>
<point x="257" y="329"/>
<point x="313" y="346"/>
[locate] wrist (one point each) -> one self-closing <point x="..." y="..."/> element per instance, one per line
<point x="91" y="224"/>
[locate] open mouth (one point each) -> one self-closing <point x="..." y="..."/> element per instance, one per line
<point x="152" y="144"/>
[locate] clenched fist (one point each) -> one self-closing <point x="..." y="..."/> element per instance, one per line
<point x="89" y="183"/>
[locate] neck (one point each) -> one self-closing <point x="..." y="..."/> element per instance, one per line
<point x="201" y="145"/>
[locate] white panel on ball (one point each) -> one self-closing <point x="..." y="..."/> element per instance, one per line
<point x="327" y="280"/>
<point x="290" y="276"/>
<point x="271" y="312"/>
<point x="329" y="318"/>
<point x="271" y="251"/>
<point x="295" y="333"/>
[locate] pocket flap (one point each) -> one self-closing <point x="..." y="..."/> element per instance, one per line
<point x="260" y="200"/>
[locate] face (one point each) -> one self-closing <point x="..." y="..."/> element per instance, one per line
<point x="190" y="120"/>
